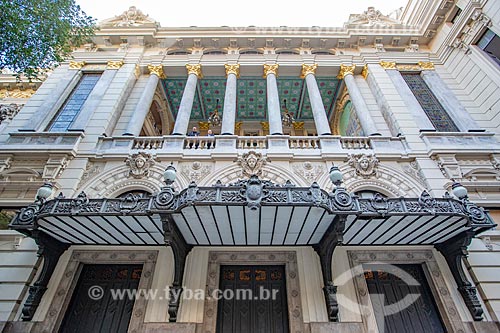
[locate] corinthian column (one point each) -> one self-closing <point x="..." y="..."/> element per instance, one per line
<point x="184" y="113"/>
<point x="229" y="110"/>
<point x="366" y="120"/>
<point x="141" y="110"/>
<point x="318" y="109"/>
<point x="273" y="100"/>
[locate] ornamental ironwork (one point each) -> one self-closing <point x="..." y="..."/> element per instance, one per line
<point x="254" y="193"/>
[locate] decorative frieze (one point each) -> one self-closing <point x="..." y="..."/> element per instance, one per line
<point x="114" y="64"/>
<point x="388" y="64"/>
<point x="16" y="93"/>
<point x="76" y="64"/>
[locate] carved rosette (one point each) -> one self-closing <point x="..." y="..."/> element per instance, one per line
<point x="232" y="69"/>
<point x="194" y="69"/>
<point x="346" y="70"/>
<point x="252" y="163"/>
<point x="270" y="69"/>
<point x="308" y="69"/>
<point x="139" y="164"/>
<point x="365" y="165"/>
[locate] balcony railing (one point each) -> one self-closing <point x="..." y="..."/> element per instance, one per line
<point x="281" y="143"/>
<point x="304" y="142"/>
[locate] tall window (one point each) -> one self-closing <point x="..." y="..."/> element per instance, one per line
<point x="490" y="44"/>
<point x="73" y="105"/>
<point x="429" y="103"/>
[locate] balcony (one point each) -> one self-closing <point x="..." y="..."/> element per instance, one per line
<point x="276" y="144"/>
<point x="53" y="142"/>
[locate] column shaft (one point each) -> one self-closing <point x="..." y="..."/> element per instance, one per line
<point x="141" y="110"/>
<point x="184" y="113"/>
<point x="318" y="109"/>
<point x="362" y="111"/>
<point x="229" y="111"/>
<point x="273" y="105"/>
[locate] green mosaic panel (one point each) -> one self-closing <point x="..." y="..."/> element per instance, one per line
<point x="251" y="100"/>
<point x="291" y="89"/>
<point x="251" y="96"/>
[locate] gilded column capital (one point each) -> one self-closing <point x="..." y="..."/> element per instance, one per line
<point x="232" y="69"/>
<point x="137" y="71"/>
<point x="270" y="69"/>
<point x="157" y="70"/>
<point x="345" y="70"/>
<point x="76" y="64"/>
<point x="426" y="66"/>
<point x="194" y="69"/>
<point x="364" y="72"/>
<point x="388" y="64"/>
<point x="112" y="64"/>
<point x="264" y="125"/>
<point x="308" y="69"/>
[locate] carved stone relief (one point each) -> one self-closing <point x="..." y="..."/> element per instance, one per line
<point x="91" y="169"/>
<point x="413" y="169"/>
<point x="252" y="163"/>
<point x="310" y="171"/>
<point x="139" y="164"/>
<point x="365" y="165"/>
<point x="9" y="111"/>
<point x="54" y="167"/>
<point x="196" y="171"/>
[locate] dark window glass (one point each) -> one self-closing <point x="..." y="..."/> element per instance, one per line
<point x="432" y="108"/>
<point x="73" y="105"/>
<point x="490" y="43"/>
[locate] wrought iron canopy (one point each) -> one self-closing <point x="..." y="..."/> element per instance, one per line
<point x="253" y="212"/>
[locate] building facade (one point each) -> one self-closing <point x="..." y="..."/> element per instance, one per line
<point x="353" y="172"/>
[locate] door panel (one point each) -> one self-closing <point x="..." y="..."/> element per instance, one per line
<point x="393" y="310"/>
<point x="86" y="315"/>
<point x="261" y="313"/>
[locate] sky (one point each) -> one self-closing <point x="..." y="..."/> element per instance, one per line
<point x="215" y="13"/>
